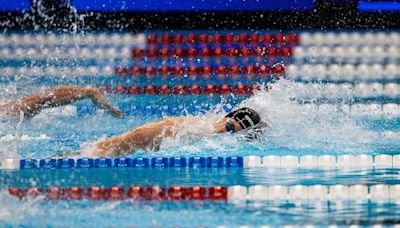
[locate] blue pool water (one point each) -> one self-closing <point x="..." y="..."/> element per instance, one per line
<point x="60" y="132"/>
<point x="41" y="212"/>
<point x="296" y="129"/>
<point x="64" y="133"/>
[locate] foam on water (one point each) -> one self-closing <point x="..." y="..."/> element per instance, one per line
<point x="298" y="126"/>
<point x="294" y="126"/>
<point x="9" y="135"/>
<point x="17" y="209"/>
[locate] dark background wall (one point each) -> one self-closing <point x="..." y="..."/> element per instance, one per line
<point x="327" y="14"/>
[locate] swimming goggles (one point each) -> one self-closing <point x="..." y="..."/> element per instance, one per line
<point x="229" y="126"/>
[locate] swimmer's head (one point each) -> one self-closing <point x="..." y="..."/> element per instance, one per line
<point x="245" y="117"/>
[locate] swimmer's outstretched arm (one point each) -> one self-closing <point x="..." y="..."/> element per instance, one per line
<point x="145" y="137"/>
<point x="141" y="138"/>
<point x="33" y="104"/>
<point x="150" y="135"/>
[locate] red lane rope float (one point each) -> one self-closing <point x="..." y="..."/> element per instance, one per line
<point x="223" y="71"/>
<point x="155" y="193"/>
<point x="194" y="89"/>
<point x="217" y="51"/>
<point x="179" y="38"/>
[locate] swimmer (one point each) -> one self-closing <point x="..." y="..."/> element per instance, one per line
<point x="32" y="105"/>
<point x="149" y="136"/>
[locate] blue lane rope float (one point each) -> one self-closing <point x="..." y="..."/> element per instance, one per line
<point x="124" y="162"/>
<point x="269" y="161"/>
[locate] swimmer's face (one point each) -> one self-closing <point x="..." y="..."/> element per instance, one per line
<point x="226" y="125"/>
<point x="232" y="125"/>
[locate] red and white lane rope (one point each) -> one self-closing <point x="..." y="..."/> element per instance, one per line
<point x="255" y="38"/>
<point x="206" y="71"/>
<point x="66" y="53"/>
<point x="344" y="72"/>
<point x="194" y="89"/>
<point x="120" y="193"/>
<point x="348" y="54"/>
<point x="316" y="192"/>
<point x="335" y="38"/>
<point x="217" y="51"/>
<point x="67" y="39"/>
<point x="377" y="192"/>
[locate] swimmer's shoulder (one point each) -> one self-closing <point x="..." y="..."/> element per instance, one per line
<point x="180" y="119"/>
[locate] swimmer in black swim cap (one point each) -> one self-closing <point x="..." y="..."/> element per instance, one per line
<point x="150" y="135"/>
<point x="245" y="117"/>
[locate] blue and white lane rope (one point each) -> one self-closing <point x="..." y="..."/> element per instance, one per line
<point x="390" y="110"/>
<point x="123" y="162"/>
<point x="270" y="161"/>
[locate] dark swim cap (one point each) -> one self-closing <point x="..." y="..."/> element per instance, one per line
<point x="246" y="117"/>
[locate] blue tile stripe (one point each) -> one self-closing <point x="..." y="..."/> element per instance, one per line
<point x="126" y="162"/>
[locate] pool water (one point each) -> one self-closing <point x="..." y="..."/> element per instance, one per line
<point x="66" y="132"/>
<point x="63" y="133"/>
<point x="41" y="212"/>
<point x="302" y="122"/>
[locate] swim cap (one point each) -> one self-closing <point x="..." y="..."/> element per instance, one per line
<point x="246" y="117"/>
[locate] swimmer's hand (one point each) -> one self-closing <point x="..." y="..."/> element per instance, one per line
<point x="116" y="112"/>
<point x="101" y="101"/>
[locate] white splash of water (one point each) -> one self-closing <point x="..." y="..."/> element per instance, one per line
<point x="14" y="210"/>
<point x="297" y="126"/>
<point x="293" y="126"/>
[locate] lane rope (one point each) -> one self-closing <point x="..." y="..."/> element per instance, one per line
<point x="194" y="89"/>
<point x="389" y="110"/>
<point x="212" y="51"/>
<point x="359" y="192"/>
<point x="66" y="39"/>
<point x="175" y="193"/>
<point x="179" y="38"/>
<point x="270" y="161"/>
<point x="276" y="70"/>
